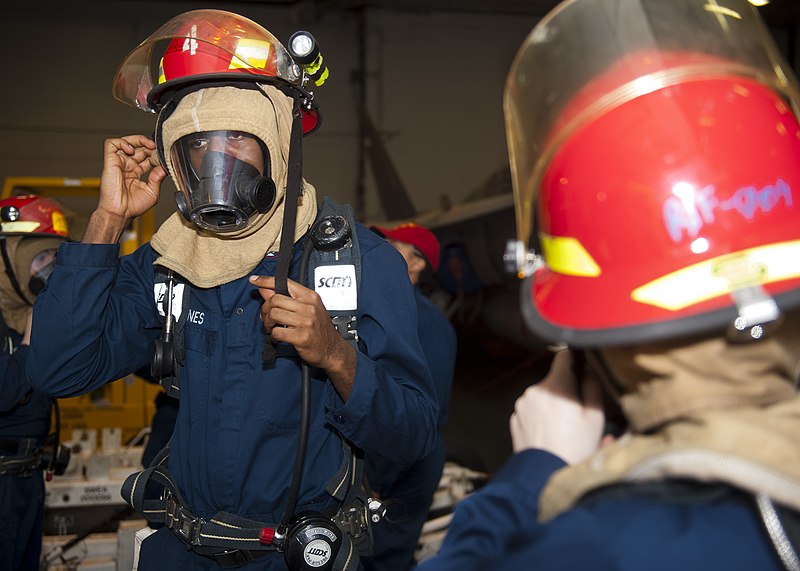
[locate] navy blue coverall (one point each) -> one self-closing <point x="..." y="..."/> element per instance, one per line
<point x="235" y="437"/>
<point x="24" y="413"/>
<point x="412" y="487"/>
<point x="629" y="528"/>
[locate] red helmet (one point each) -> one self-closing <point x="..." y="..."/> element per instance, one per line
<point x="667" y="191"/>
<point x="32" y="215"/>
<point x="206" y="46"/>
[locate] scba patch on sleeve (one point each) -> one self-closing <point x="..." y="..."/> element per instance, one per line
<point x="336" y="285"/>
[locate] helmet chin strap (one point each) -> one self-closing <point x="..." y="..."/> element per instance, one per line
<point x="294" y="187"/>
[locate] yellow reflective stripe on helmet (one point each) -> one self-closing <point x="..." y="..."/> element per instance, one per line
<point x="721" y="275"/>
<point x="250" y="53"/>
<point x="60" y="223"/>
<point x="566" y="255"/>
<point x="19" y="226"/>
<point x="161" y="77"/>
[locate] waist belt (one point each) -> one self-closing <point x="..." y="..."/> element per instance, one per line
<point x="232" y="540"/>
<point x="229" y="539"/>
<point x="20" y="458"/>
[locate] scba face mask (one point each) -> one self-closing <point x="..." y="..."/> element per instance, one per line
<point x="223" y="179"/>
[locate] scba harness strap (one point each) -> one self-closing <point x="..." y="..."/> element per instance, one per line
<point x="357" y="511"/>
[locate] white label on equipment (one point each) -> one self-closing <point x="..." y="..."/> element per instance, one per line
<point x="336" y="285"/>
<point x="317" y="553"/>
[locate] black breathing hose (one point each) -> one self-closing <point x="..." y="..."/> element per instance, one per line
<point x="305" y="418"/>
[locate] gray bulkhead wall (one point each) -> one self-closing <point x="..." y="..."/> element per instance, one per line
<point x="434" y="88"/>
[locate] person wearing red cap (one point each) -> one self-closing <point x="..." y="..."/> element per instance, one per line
<point x="412" y="487"/>
<point x="418" y="245"/>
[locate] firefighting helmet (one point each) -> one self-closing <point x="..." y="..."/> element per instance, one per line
<point x="658" y="145"/>
<point x="32" y="227"/>
<point x="32" y="215"/>
<point x="214" y="46"/>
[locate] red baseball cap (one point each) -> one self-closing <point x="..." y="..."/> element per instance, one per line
<point x="418" y="236"/>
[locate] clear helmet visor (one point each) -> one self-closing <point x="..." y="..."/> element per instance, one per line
<point x="223" y="179"/>
<point x="588" y="57"/>
<point x="201" y="43"/>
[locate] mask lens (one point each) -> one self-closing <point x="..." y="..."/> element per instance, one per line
<point x="212" y="168"/>
<point x="40" y="273"/>
<point x="42" y="261"/>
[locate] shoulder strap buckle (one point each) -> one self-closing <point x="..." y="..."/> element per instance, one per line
<point x="346" y="326"/>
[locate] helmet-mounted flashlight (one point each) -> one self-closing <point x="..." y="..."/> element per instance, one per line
<point x="304" y="50"/>
<point x="9" y="214"/>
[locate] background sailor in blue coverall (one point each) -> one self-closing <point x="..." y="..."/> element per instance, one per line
<point x="31" y="229"/>
<point x="236" y="434"/>
<point x="669" y="215"/>
<point x="410" y="489"/>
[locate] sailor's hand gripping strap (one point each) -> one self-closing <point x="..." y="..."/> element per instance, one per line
<point x="335" y="267"/>
<point x="172" y="297"/>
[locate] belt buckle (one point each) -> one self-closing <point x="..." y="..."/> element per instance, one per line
<point x="189" y="527"/>
<point x="181" y="521"/>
